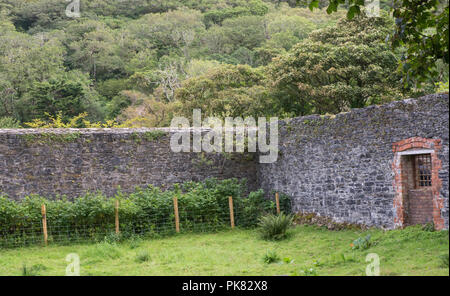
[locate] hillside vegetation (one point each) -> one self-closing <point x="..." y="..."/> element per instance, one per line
<point x="122" y="61"/>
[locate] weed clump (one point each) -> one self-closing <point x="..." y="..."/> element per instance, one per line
<point x="143" y="256"/>
<point x="270" y="257"/>
<point x="275" y="227"/>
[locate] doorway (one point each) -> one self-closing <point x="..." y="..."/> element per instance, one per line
<point x="417" y="174"/>
<point x="417" y="184"/>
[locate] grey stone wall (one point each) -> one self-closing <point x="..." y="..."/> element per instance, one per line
<point x="341" y="166"/>
<point x="72" y="162"/>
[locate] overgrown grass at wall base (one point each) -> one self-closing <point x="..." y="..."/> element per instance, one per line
<point x="203" y="206"/>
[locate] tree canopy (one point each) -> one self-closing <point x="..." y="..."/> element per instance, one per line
<point x="124" y="60"/>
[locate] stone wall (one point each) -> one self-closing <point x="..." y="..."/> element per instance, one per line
<point x="342" y="166"/>
<point x="72" y="162"/>
<point x="345" y="167"/>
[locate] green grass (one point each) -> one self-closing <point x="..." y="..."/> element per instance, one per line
<point x="313" y="250"/>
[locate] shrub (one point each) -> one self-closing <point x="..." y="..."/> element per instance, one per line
<point x="135" y="241"/>
<point x="442" y="87"/>
<point x="274" y="227"/>
<point x="9" y="122"/>
<point x="444" y="260"/>
<point x="113" y="238"/>
<point x="362" y="243"/>
<point x="33" y="270"/>
<point x="271" y="256"/>
<point x="143" y="256"/>
<point x="203" y="206"/>
<point x="429" y="227"/>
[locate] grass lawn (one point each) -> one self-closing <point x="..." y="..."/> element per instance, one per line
<point x="411" y="251"/>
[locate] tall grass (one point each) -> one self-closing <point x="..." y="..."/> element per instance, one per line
<point x="275" y="227"/>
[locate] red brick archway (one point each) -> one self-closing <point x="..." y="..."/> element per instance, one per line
<point x="413" y="145"/>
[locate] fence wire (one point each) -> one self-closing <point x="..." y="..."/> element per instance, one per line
<point x="29" y="232"/>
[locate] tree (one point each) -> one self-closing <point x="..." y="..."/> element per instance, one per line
<point x="147" y="111"/>
<point x="336" y="69"/>
<point x="217" y="16"/>
<point x="25" y="60"/>
<point x="420" y="25"/>
<point x="68" y="95"/>
<point x="225" y="91"/>
<point x="167" y="33"/>
<point x="244" y="31"/>
<point x="97" y="54"/>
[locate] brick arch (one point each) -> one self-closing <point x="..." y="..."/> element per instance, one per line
<point x="433" y="146"/>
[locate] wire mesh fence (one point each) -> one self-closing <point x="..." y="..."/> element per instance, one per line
<point x="178" y="217"/>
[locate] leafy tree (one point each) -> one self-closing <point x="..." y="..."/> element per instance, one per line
<point x="97" y="54"/>
<point x="160" y="57"/>
<point x="68" y="95"/>
<point x="9" y="122"/>
<point x="420" y="26"/>
<point x="225" y="91"/>
<point x="167" y="33"/>
<point x="217" y="16"/>
<point x="337" y="68"/>
<point x="242" y="32"/>
<point x="147" y="111"/>
<point x="25" y="60"/>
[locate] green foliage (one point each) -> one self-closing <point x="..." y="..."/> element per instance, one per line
<point x="135" y="241"/>
<point x="442" y="87"/>
<point x="217" y="16"/>
<point x="113" y="238"/>
<point x="404" y="252"/>
<point x="103" y="251"/>
<point x="275" y="227"/>
<point x="143" y="256"/>
<point x="288" y="260"/>
<point x="336" y="69"/>
<point x="9" y="122"/>
<point x="429" y="227"/>
<point x="33" y="270"/>
<point x="271" y="256"/>
<point x="147" y="136"/>
<point x="123" y="60"/>
<point x="149" y="211"/>
<point x="226" y="91"/>
<point x="420" y="26"/>
<point x="50" y="138"/>
<point x="362" y="243"/>
<point x="444" y="260"/>
<point x="69" y="95"/>
<point x="309" y="271"/>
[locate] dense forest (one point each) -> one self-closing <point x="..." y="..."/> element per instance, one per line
<point x="141" y="62"/>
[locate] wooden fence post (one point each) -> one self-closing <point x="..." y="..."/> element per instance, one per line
<point x="277" y="200"/>
<point x="117" y="216"/>
<point x="230" y="202"/>
<point x="44" y="224"/>
<point x="177" y="217"/>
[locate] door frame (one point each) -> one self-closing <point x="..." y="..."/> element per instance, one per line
<point x="415" y="146"/>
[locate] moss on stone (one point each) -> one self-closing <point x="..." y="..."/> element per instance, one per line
<point x="50" y="138"/>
